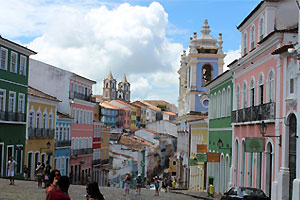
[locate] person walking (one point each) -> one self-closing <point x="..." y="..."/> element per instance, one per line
<point x="46" y="176"/>
<point x="138" y="184"/>
<point x="127" y="181"/>
<point x="39" y="173"/>
<point x="60" y="193"/>
<point x="156" y="184"/>
<point x="26" y="172"/>
<point x="11" y="164"/>
<point x="93" y="192"/>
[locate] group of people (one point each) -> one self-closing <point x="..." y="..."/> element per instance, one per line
<point x="127" y="183"/>
<point x="43" y="172"/>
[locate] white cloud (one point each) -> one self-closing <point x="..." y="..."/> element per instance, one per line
<point x="92" y="39"/>
<point x="231" y="55"/>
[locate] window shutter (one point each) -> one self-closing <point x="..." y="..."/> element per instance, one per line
<point x="13" y="62"/>
<point x="3" y="59"/>
<point x="23" y="65"/>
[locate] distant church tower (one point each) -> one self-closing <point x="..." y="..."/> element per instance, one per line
<point x="109" y="87"/>
<point x="203" y="63"/>
<point x="124" y="90"/>
<point x="111" y="92"/>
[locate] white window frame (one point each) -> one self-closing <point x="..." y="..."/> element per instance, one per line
<point x="245" y="45"/>
<point x="38" y="124"/>
<point x="252" y="37"/>
<point x="23" y="65"/>
<point x="252" y="86"/>
<point x="6" y="58"/>
<point x="4" y="100"/>
<point x="13" y="67"/>
<point x="14" y="102"/>
<point x="260" y="82"/>
<point x="33" y="118"/>
<point x="45" y="116"/>
<point x="238" y="99"/>
<point x="261" y="26"/>
<point x="21" y="98"/>
<point x="50" y="120"/>
<point x="228" y="100"/>
<point x="271" y="86"/>
<point x="245" y="94"/>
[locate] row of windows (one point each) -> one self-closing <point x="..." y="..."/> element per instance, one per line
<point x="62" y="133"/>
<point x="12" y="101"/>
<point x="220" y="105"/>
<point x="96" y="154"/>
<point x="97" y="131"/>
<point x="252" y="39"/>
<point x="78" y="88"/>
<point x="244" y="101"/>
<point x="81" y="143"/>
<point x="81" y="116"/>
<point x="15" y="60"/>
<point x="42" y="120"/>
<point x="62" y="164"/>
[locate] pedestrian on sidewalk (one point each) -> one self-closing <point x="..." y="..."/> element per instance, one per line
<point x="26" y="172"/>
<point x="138" y="184"/>
<point x="39" y="172"/>
<point x="46" y="176"/>
<point x="61" y="192"/>
<point x="11" y="164"/>
<point x="93" y="192"/>
<point x="156" y="184"/>
<point x="53" y="180"/>
<point x="127" y="181"/>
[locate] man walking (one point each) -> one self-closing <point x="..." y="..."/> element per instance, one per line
<point x="11" y="170"/>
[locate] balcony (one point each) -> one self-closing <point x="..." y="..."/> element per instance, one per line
<point x="78" y="152"/>
<point x="97" y="162"/>
<point x="76" y="95"/>
<point x="12" y="116"/>
<point x="34" y="133"/>
<point x="105" y="162"/>
<point x="62" y="143"/>
<point x="254" y="113"/>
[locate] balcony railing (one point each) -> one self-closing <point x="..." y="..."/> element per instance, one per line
<point x="12" y="116"/>
<point x="62" y="143"/>
<point x="254" y="113"/>
<point x="40" y="133"/>
<point x="78" y="152"/>
<point x="104" y="162"/>
<point x="81" y="96"/>
<point x="97" y="162"/>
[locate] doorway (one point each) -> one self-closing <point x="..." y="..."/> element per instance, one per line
<point x="29" y="164"/>
<point x="292" y="152"/>
<point x="269" y="169"/>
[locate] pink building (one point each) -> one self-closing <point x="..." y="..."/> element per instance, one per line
<point x="264" y="84"/>
<point x="124" y="114"/>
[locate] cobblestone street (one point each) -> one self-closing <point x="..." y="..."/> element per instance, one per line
<point x="28" y="190"/>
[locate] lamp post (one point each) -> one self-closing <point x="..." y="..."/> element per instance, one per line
<point x="220" y="145"/>
<point x="48" y="147"/>
<point x="263" y="130"/>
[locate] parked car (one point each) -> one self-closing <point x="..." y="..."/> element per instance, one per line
<point x="246" y="193"/>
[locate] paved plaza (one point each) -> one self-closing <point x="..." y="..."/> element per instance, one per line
<point x="28" y="190"/>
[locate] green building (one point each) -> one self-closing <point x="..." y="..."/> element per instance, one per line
<point x="14" y="64"/>
<point x="220" y="130"/>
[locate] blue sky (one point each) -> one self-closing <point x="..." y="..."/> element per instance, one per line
<point x="142" y="39"/>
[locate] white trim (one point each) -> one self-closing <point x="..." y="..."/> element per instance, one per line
<point x="254" y="37"/>
<point x="13" y="156"/>
<point x="19" y="84"/>
<point x="14" y="103"/>
<point x="23" y="104"/>
<point x="13" y="69"/>
<point x="21" y="166"/>
<point x="4" y="99"/>
<point x="25" y="65"/>
<point x="6" y="58"/>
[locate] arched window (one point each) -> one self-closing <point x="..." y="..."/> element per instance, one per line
<point x="261" y="89"/>
<point x="252" y="92"/>
<point x="206" y="74"/>
<point x="252" y="37"/>
<point x="44" y="121"/>
<point x="245" y="44"/>
<point x="219" y="104"/>
<point x="38" y="120"/>
<point x="223" y="103"/>
<point x="215" y="105"/>
<point x="238" y="97"/>
<point x="228" y="101"/>
<point x="271" y="87"/>
<point x="261" y="29"/>
<point x="244" y="94"/>
<point x="31" y="119"/>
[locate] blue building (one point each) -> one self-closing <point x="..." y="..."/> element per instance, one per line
<point x="62" y="143"/>
<point x="109" y="114"/>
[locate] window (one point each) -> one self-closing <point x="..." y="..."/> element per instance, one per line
<point x="65" y="133"/>
<point x="252" y="93"/>
<point x="252" y="38"/>
<point x="245" y="44"/>
<point x="215" y="105"/>
<point x="21" y="103"/>
<point x="38" y="120"/>
<point x="68" y="133"/>
<point x="13" y="62"/>
<point x="292" y="85"/>
<point x="45" y="121"/>
<point x="60" y="134"/>
<point x="31" y="119"/>
<point x="261" y="29"/>
<point x="223" y="103"/>
<point x="219" y="104"/>
<point x="228" y="101"/>
<point x="238" y="97"/>
<point x="51" y="121"/>
<point x="77" y="116"/>
<point x="261" y="89"/>
<point x="23" y="64"/>
<point x="206" y="74"/>
<point x="4" y="56"/>
<point x="12" y="102"/>
<point x="19" y="153"/>
<point x="271" y="86"/>
<point x="244" y="94"/>
<point x="2" y="100"/>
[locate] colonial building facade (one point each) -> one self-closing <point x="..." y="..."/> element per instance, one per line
<point x="111" y="91"/>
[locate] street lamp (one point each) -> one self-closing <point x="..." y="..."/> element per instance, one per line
<point x="48" y="147"/>
<point x="220" y="145"/>
<point x="263" y="129"/>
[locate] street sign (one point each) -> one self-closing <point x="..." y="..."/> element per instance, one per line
<point x="201" y="157"/>
<point x="213" y="157"/>
<point x="193" y="162"/>
<point x="254" y="144"/>
<point x="201" y="148"/>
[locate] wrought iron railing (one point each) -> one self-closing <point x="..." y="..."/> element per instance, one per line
<point x="78" y="152"/>
<point x="254" y="113"/>
<point x="62" y="143"/>
<point x="97" y="162"/>
<point x="40" y="133"/>
<point x="81" y="96"/>
<point x="12" y="116"/>
<point x="104" y="162"/>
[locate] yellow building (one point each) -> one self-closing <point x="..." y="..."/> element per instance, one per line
<point x="199" y="136"/>
<point x="40" y="129"/>
<point x="172" y="166"/>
